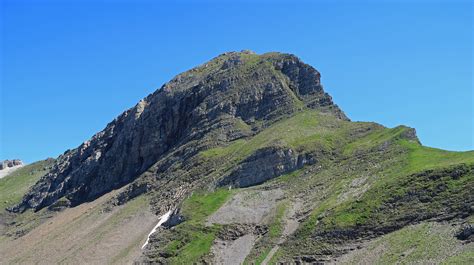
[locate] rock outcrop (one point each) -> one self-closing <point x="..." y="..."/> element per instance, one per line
<point x="264" y="165"/>
<point x="10" y="163"/>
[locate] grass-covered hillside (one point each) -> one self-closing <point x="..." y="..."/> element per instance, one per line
<point x="191" y="240"/>
<point x="15" y="185"/>
<point x="368" y="182"/>
<point x="372" y="195"/>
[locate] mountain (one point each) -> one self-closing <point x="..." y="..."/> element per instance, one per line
<point x="245" y="159"/>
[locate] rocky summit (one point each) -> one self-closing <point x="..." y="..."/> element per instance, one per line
<point x="244" y="159"/>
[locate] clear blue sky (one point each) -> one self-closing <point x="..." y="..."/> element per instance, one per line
<point x="70" y="67"/>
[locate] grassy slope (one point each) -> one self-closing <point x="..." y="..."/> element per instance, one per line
<point x="429" y="242"/>
<point x="312" y="131"/>
<point x="192" y="239"/>
<point x="13" y="186"/>
<point x="306" y="130"/>
<point x="400" y="181"/>
<point x="395" y="183"/>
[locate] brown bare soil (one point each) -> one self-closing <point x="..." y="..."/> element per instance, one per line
<point x="86" y="234"/>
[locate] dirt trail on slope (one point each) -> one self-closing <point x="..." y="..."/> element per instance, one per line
<point x="290" y="226"/>
<point x="85" y="235"/>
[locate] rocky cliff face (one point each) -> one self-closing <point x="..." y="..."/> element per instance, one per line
<point x="232" y="96"/>
<point x="265" y="164"/>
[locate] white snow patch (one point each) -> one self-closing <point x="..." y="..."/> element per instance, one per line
<point x="7" y="171"/>
<point x="163" y="219"/>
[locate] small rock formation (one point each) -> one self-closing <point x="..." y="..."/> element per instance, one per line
<point x="265" y="164"/>
<point x="174" y="219"/>
<point x="466" y="233"/>
<point x="10" y="163"/>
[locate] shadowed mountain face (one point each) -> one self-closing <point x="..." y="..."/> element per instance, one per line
<point x="248" y="160"/>
<point x="213" y="103"/>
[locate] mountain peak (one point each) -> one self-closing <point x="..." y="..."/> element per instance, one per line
<point x="230" y="97"/>
<point x="286" y="71"/>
